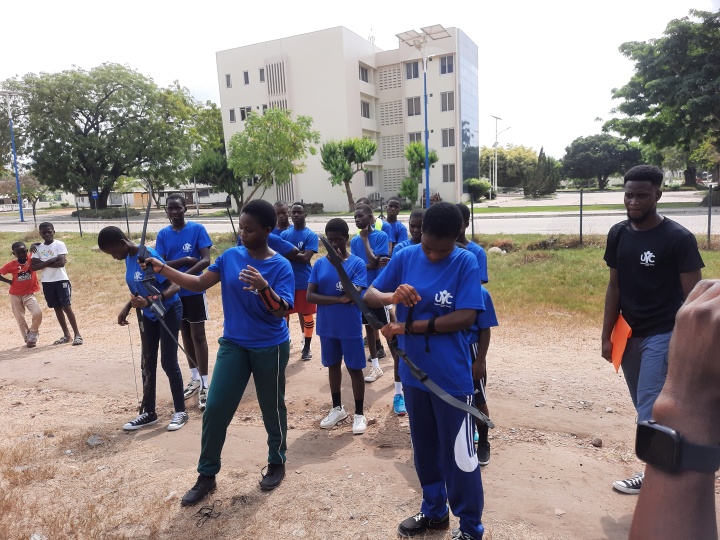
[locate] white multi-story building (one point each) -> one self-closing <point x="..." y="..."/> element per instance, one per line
<point x="351" y="88"/>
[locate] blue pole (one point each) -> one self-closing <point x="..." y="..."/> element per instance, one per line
<point x="17" y="176"/>
<point x="427" y="137"/>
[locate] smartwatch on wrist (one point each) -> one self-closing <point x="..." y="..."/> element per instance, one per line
<point x="664" y="448"/>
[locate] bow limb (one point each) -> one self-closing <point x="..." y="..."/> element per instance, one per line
<point x="370" y="317"/>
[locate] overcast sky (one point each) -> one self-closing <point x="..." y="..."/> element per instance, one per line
<point x="546" y="68"/>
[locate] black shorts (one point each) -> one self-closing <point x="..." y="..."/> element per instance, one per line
<point x="57" y="293"/>
<point x="195" y="309"/>
<point x="381" y="314"/>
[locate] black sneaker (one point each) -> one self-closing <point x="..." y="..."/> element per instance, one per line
<point x="380" y="352"/>
<point x="273" y="477"/>
<point x="483" y="452"/>
<point x="306" y="354"/>
<point x="201" y="489"/>
<point x="419" y="523"/>
<point x="144" y="420"/>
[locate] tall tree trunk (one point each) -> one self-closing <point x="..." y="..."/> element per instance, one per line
<point x="348" y="192"/>
<point x="690" y="176"/>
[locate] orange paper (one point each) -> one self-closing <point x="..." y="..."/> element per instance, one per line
<point x="619" y="337"/>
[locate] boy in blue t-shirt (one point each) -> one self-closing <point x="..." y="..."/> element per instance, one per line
<point x="306" y="241"/>
<point x="281" y="213"/>
<point x="397" y="232"/>
<point x="415" y="227"/>
<point x="435" y="288"/>
<point x="371" y="246"/>
<point x="185" y="246"/>
<point x="339" y="324"/>
<point x="470" y="245"/>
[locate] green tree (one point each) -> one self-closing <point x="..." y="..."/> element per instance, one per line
<point x="345" y="158"/>
<point x="271" y="148"/>
<point x="544" y="179"/>
<point x="478" y="188"/>
<point x="599" y="156"/>
<point x="209" y="164"/>
<point x="82" y="130"/>
<point x="409" y="188"/>
<point x="672" y="100"/>
<point x="30" y="188"/>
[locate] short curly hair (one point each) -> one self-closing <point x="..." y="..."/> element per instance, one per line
<point x="652" y="174"/>
<point x="262" y="211"/>
<point x="443" y="220"/>
<point x="337" y="225"/>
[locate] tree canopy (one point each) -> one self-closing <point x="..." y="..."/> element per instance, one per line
<point x="272" y="148"/>
<point x="599" y="157"/>
<point x="543" y="180"/>
<point x="82" y="130"/>
<point x="514" y="163"/>
<point x="673" y="98"/>
<point x="345" y="158"/>
<point x="30" y="188"/>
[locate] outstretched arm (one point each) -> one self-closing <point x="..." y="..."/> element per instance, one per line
<point x="682" y="505"/>
<point x="186" y="281"/>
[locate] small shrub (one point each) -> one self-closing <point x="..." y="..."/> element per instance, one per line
<point x="548" y="243"/>
<point x="506" y="244"/>
<point x="406" y="205"/>
<point x="314" y="208"/>
<point x="105" y="213"/>
<point x="715" y="198"/>
<point x="64" y="204"/>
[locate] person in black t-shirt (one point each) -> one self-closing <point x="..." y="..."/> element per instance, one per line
<point x="654" y="264"/>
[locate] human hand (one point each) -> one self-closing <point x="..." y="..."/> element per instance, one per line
<point x="691" y="394"/>
<point x="365" y="232"/>
<point x="479" y="368"/>
<point x="253" y="278"/>
<point x="344" y="299"/>
<point x="406" y="294"/>
<point x="155" y="264"/>
<point x="139" y="302"/>
<point x="391" y="330"/>
<point x="122" y="317"/>
<point x="383" y="262"/>
<point x="190" y="261"/>
<point x="606" y="349"/>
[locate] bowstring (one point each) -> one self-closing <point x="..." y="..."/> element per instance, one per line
<point x="132" y="354"/>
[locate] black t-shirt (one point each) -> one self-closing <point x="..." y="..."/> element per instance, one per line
<point x="649" y="264"/>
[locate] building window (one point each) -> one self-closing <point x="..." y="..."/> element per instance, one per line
<point x="264" y="108"/>
<point x="228" y="80"/>
<point x="415" y="137"/>
<point x="412" y="70"/>
<point x="365" y="109"/>
<point x="253" y="180"/>
<point x="368" y="178"/>
<point x="364" y="74"/>
<point x="449" y="173"/>
<point x="232" y="115"/>
<point x="262" y="74"/>
<point x="245" y="112"/>
<point x="246" y="77"/>
<point x="447" y="101"/>
<point x="413" y="106"/>
<point x="448" y="137"/>
<point x="446" y="65"/>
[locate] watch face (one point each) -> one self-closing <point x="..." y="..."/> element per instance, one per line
<point x="658" y="445"/>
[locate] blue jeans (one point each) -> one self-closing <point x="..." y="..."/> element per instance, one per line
<point x="157" y="337"/>
<point x="645" y="367"/>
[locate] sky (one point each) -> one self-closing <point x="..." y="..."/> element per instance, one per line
<point x="546" y="68"/>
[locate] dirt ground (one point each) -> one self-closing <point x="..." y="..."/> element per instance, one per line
<point x="550" y="395"/>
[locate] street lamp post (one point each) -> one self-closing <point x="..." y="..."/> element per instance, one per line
<point x="8" y="97"/>
<point x="419" y="40"/>
<point x="494" y="179"/>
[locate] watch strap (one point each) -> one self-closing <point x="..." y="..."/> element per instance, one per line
<point x="696" y="457"/>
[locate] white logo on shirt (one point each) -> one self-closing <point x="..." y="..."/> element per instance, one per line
<point x="444" y="299"/>
<point x="187" y="247"/>
<point x="647" y="259"/>
<point x="138" y="276"/>
<point x="339" y="287"/>
<point x="300" y="246"/>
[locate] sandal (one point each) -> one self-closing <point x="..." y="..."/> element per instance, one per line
<point x="78" y="340"/>
<point x="62" y="340"/>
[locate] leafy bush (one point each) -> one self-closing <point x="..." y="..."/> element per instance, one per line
<point x="314" y="208"/>
<point x="105" y="213"/>
<point x="506" y="244"/>
<point x="406" y="205"/>
<point x="715" y="198"/>
<point x="64" y="204"/>
<point x="478" y="188"/>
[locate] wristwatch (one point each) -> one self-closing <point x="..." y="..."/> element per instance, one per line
<point x="666" y="449"/>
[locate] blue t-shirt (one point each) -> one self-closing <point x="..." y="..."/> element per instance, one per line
<point x="379" y="245"/>
<point x="444" y="286"/>
<point x="134" y="275"/>
<point x="278" y="232"/>
<point x="479" y="252"/>
<point x="187" y="242"/>
<point x="275" y="243"/>
<point x="305" y="240"/>
<point x="403" y="244"/>
<point x="397" y="232"/>
<point x="484" y="319"/>
<point x="248" y="323"/>
<point x="339" y="321"/>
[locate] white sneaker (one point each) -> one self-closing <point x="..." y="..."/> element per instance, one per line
<point x="334" y="416"/>
<point x="630" y="486"/>
<point x="359" y="424"/>
<point x="179" y="419"/>
<point x="191" y="388"/>
<point x="202" y="398"/>
<point x="374" y="375"/>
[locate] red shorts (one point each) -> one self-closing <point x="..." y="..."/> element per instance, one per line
<point x="301" y="305"/>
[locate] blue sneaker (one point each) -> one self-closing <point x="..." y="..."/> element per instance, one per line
<point x="399" y="405"/>
<point x="476" y="437"/>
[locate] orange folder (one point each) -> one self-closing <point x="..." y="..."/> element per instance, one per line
<point x="620" y="334"/>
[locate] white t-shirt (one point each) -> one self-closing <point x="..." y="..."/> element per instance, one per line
<point x="46" y="252"/>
